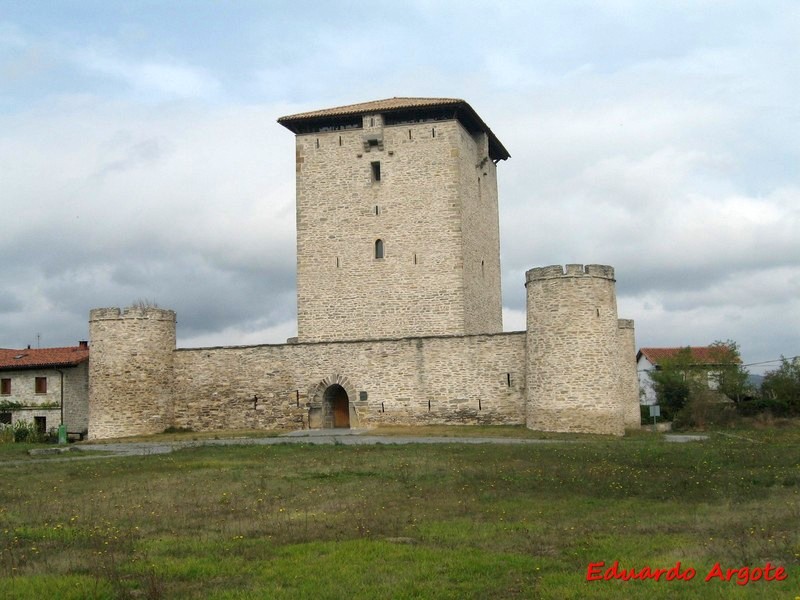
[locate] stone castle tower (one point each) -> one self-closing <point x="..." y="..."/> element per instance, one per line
<point x="397" y="221"/>
<point x="573" y="357"/>
<point x="399" y="307"/>
<point x="130" y="371"/>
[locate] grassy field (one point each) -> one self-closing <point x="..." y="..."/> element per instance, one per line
<point x="417" y="521"/>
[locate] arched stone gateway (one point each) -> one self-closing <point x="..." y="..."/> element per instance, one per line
<point x="332" y="404"/>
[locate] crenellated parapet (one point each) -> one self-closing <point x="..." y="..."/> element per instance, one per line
<point x="570" y="270"/>
<point x="130" y="371"/>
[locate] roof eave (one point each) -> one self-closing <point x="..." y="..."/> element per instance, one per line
<point x="496" y="149"/>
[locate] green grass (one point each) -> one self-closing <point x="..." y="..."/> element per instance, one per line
<point x="470" y="431"/>
<point x="417" y="521"/>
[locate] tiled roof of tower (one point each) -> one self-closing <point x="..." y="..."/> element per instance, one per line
<point x="462" y="110"/>
<point x="388" y="104"/>
<point x="31" y="358"/>
<point x="702" y="355"/>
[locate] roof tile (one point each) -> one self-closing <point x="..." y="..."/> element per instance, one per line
<point x="704" y="355"/>
<point x="372" y="106"/>
<point x="31" y="358"/>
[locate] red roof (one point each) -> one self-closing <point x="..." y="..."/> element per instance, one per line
<point x="31" y="358"/>
<point x="702" y="355"/>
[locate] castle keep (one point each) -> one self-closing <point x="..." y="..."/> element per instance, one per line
<point x="398" y="304"/>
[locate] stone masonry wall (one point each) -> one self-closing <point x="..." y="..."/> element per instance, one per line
<point x="483" y="310"/>
<point x="628" y="376"/>
<point x="23" y="387"/>
<point x="130" y="371"/>
<point x="573" y="357"/>
<point x="457" y="380"/>
<point x="417" y="289"/>
<point x="23" y="392"/>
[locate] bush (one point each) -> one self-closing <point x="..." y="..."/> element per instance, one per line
<point x="705" y="408"/>
<point x="173" y="429"/>
<point x="777" y="407"/>
<point x="25" y="431"/>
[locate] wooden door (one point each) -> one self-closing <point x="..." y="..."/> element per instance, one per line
<point x="341" y="412"/>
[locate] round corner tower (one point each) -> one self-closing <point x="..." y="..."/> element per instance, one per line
<point x="573" y="352"/>
<point x="130" y="371"/>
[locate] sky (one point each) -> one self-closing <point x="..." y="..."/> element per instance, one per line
<point x="141" y="160"/>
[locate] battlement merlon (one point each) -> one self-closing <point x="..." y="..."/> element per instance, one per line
<point x="131" y="312"/>
<point x="570" y="270"/>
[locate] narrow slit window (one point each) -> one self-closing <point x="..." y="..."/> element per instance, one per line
<point x="433" y="131"/>
<point x="376" y="170"/>
<point x="379" y="249"/>
<point x="317" y="143"/>
<point x="337" y="262"/>
<point x="483" y="272"/>
<point x="377" y="210"/>
<point x="372" y="122"/>
<point x="340" y="140"/>
<point x="415" y="258"/>
<point x="409" y="134"/>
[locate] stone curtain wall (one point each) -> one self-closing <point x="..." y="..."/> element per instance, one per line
<point x="418" y="288"/>
<point x="465" y="380"/>
<point x="573" y="357"/>
<point x="628" y="375"/>
<point x="130" y="371"/>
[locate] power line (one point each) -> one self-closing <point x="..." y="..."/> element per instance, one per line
<point x="767" y="362"/>
<point x="753" y="364"/>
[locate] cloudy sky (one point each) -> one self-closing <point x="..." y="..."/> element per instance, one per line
<point x="140" y="158"/>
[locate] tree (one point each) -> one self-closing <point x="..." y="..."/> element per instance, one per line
<point x="671" y="383"/>
<point x="781" y="387"/>
<point x="726" y="368"/>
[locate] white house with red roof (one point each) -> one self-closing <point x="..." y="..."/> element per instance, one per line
<point x="46" y="386"/>
<point x="651" y="359"/>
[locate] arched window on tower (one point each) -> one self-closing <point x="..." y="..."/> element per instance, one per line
<point x="378" y="248"/>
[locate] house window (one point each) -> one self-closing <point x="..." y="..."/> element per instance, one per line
<point x="5" y="386"/>
<point x="41" y="385"/>
<point x="5" y="418"/>
<point x="376" y="171"/>
<point x="41" y="424"/>
<point x="378" y="248"/>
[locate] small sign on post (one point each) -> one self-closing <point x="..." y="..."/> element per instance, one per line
<point x="655" y="412"/>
